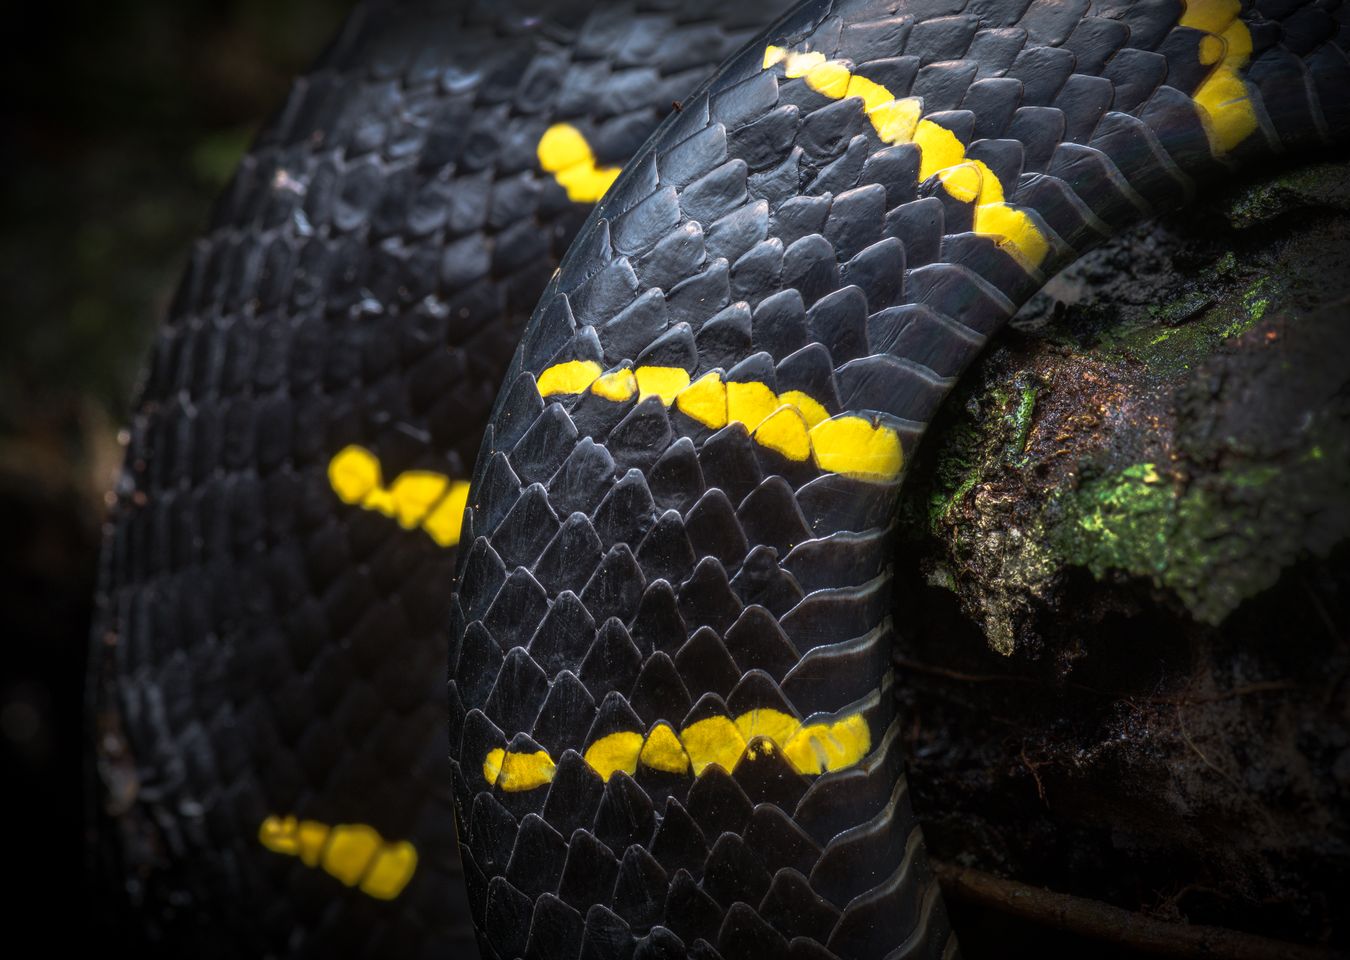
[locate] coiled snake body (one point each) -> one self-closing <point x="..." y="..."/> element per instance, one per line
<point x="671" y="723"/>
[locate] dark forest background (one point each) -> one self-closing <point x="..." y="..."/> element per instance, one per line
<point x="119" y="124"/>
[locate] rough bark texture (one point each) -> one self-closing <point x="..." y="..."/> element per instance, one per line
<point x="1128" y="545"/>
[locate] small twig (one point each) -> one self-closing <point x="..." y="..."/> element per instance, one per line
<point x="1173" y="901"/>
<point x="1225" y="775"/>
<point x="1040" y="787"/>
<point x="1101" y="921"/>
<point x="1181" y="725"/>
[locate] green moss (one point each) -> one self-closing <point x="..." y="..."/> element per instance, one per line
<point x="1183" y="332"/>
<point x="1022" y="416"/>
<point x="958" y="466"/>
<point x="1255" y="301"/>
<point x="1213" y="545"/>
<point x="994" y="432"/>
<point x="1181" y="309"/>
<point x="1121" y="522"/>
<point x="941" y="505"/>
<point x="1320" y="185"/>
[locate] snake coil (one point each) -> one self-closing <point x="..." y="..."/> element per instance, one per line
<point x="672" y="730"/>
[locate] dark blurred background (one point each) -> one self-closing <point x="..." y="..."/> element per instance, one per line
<point x="119" y="124"/>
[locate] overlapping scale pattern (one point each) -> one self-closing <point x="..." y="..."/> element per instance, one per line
<point x="271" y="640"/>
<point x="832" y="218"/>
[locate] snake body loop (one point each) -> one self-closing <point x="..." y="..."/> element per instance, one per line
<point x="268" y="656"/>
<point x="670" y="686"/>
<point x="690" y="475"/>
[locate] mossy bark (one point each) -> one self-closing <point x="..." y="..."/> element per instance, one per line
<point x="1125" y="547"/>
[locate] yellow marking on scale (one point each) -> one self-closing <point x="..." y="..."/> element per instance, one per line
<point x="353" y="853"/>
<point x="618" y="386"/>
<point x="774" y="724"/>
<point x="663" y="382"/>
<point x="811" y="410"/>
<point x="749" y="403"/>
<point x="705" y="400"/>
<point x="416" y="498"/>
<point x="574" y="376"/>
<point x="821" y="747"/>
<point x="858" y="448"/>
<point x="810" y="749"/>
<point x="564" y="152"/>
<point x="792" y="423"/>
<point x="900" y="120"/>
<point x="610" y="754"/>
<point x="518" y="771"/>
<point x="939" y="149"/>
<point x="784" y="431"/>
<point x="350" y="848"/>
<point x="713" y="740"/>
<point x="309" y="838"/>
<point x="1224" y="101"/>
<point x="663" y="751"/>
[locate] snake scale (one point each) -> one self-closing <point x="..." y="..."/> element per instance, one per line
<point x="671" y="722"/>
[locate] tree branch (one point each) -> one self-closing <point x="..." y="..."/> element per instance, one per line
<point x="1101" y="921"/>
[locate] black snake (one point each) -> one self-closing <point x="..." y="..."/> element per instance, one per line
<point x="672" y="730"/>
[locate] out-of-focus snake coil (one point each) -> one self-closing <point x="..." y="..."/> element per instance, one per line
<point x="268" y="656"/>
<point x="672" y="730"/>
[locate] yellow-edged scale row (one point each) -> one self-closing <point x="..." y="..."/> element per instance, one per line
<point x="354" y="853"/>
<point x="415" y="498"/>
<point x="564" y="152"/>
<point x="791" y="423"/>
<point x="1225" y="108"/>
<point x="810" y="749"/>
<point x="900" y="120"/>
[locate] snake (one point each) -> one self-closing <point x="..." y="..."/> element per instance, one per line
<point x="554" y="368"/>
